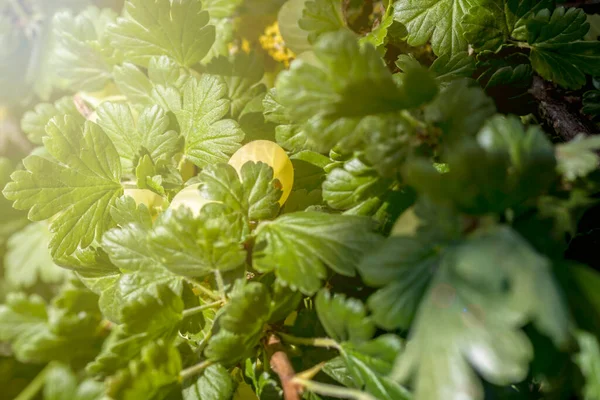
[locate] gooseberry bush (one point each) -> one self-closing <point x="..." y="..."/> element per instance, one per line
<point x="313" y="199"/>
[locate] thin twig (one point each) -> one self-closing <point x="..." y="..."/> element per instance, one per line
<point x="35" y="385"/>
<point x="556" y="112"/>
<point x="195" y="369"/>
<point x="195" y="310"/>
<point x="203" y="289"/>
<point x="315" y="342"/>
<point x="332" y="390"/>
<point x="282" y="366"/>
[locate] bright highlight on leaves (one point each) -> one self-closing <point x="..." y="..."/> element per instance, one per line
<point x="215" y="199"/>
<point x="78" y="186"/>
<point x="150" y="28"/>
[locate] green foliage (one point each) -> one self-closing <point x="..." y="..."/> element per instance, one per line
<point x="69" y="329"/>
<point x="588" y="360"/>
<point x="151" y="28"/>
<point x="299" y="245"/>
<point x="558" y="52"/>
<point x="319" y="17"/>
<point x="477" y="296"/>
<point x="214" y="384"/>
<point x="81" y="57"/>
<point x="149" y="135"/>
<point x="420" y="254"/>
<point x="28" y="259"/>
<point x="254" y="194"/>
<point x="343" y="319"/>
<point x="79" y="183"/>
<point x="436" y="20"/>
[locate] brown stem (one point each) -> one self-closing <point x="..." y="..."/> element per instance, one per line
<point x="281" y="364"/>
<point x="81" y="106"/>
<point x="557" y="112"/>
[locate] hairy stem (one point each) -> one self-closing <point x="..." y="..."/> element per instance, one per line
<point x="315" y="342"/>
<point x="195" y="310"/>
<point x="31" y="391"/>
<point x="203" y="289"/>
<point x="282" y="366"/>
<point x="332" y="390"/>
<point x="195" y="369"/>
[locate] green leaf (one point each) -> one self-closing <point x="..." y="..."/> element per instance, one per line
<point x="214" y="384"/>
<point x="505" y="154"/>
<point x="295" y="38"/>
<point x="143" y="269"/>
<point x="195" y="246"/>
<point x="297" y="246"/>
<point x="62" y="384"/>
<point x="67" y="330"/>
<point x="153" y="315"/>
<point x="490" y="23"/>
<point x="402" y="267"/>
<point x="378" y="36"/>
<point x="248" y="310"/>
<point x="150" y="28"/>
<point x="353" y="184"/>
<point x="349" y="82"/>
<point x="222" y="13"/>
<point x="150" y="134"/>
<point x="126" y="211"/>
<point x="21" y="314"/>
<point x="558" y="52"/>
<point x="389" y="141"/>
<point x="127" y="251"/>
<point x="460" y="109"/>
<point x="242" y="74"/>
<point x="485" y="29"/>
<point x="209" y="139"/>
<point x="230" y="348"/>
<point x="577" y="158"/>
<point x="588" y="281"/>
<point x="438" y="21"/>
<point x="591" y="103"/>
<point x="146" y="319"/>
<point x="321" y="16"/>
<point x="28" y="259"/>
<point x="448" y="68"/>
<point x="221" y="8"/>
<point x="370" y="364"/>
<point x="79" y="56"/>
<point x="283" y="301"/>
<point x="366" y="366"/>
<point x="79" y="187"/>
<point x="483" y="291"/>
<point x="344" y="319"/>
<point x="512" y="75"/>
<point x="153" y="375"/>
<point x="588" y="360"/>
<point x="133" y="83"/>
<point x="264" y="384"/>
<point x="594" y="32"/>
<point x="34" y="122"/>
<point x="254" y="193"/>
